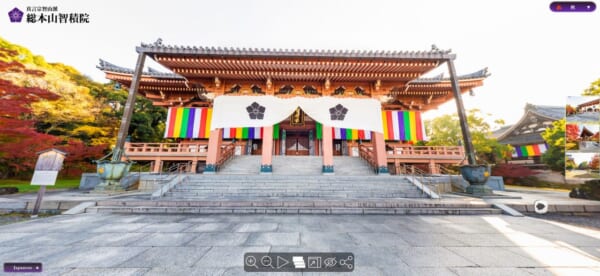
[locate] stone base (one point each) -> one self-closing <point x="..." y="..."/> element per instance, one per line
<point x="266" y="169"/>
<point x="480" y="190"/>
<point x="210" y="169"/>
<point x="327" y="170"/>
<point x="383" y="170"/>
<point x="109" y="187"/>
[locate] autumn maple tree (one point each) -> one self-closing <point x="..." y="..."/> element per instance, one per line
<point x="572" y="132"/>
<point x="19" y="140"/>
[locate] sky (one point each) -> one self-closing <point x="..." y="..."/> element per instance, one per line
<point x="535" y="56"/>
<point x="579" y="157"/>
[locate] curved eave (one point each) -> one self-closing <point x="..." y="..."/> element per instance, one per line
<point x="108" y="67"/>
<point x="475" y="76"/>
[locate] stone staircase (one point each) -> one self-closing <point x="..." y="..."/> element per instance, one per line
<point x="240" y="187"/>
<point x="295" y="187"/>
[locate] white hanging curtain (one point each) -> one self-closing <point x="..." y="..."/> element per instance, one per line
<point x="260" y="111"/>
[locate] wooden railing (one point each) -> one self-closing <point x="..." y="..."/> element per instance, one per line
<point x="366" y="153"/>
<point x="227" y="152"/>
<point x="434" y="152"/>
<point x="160" y="149"/>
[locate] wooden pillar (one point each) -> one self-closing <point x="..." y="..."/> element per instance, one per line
<point x="462" y="117"/>
<point x="129" y="106"/>
<point x="194" y="167"/>
<point x="380" y="154"/>
<point x="327" y="150"/>
<point x="432" y="167"/>
<point x="214" y="150"/>
<point x="157" y="166"/>
<point x="266" y="164"/>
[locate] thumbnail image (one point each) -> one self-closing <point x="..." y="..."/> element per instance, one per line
<point x="582" y="165"/>
<point x="582" y="109"/>
<point x="583" y="137"/>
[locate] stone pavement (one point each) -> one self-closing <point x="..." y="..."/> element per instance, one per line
<point x="111" y="244"/>
<point x="583" y="117"/>
<point x="558" y="201"/>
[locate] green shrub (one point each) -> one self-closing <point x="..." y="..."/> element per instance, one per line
<point x="589" y="190"/>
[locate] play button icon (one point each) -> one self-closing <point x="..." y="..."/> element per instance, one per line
<point x="281" y="262"/>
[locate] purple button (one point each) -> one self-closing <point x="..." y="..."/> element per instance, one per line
<point x="22" y="267"/>
<point x="573" y="6"/>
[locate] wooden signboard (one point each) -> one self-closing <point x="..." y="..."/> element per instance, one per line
<point x="46" y="170"/>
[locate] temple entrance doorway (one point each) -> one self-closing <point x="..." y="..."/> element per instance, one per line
<point x="254" y="147"/>
<point x="338" y="147"/>
<point x="297" y="143"/>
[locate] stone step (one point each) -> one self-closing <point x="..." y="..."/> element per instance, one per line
<point x="291" y="193"/>
<point x="304" y="177"/>
<point x="293" y="210"/>
<point x="289" y="190"/>
<point x="295" y="202"/>
<point x="298" y="185"/>
<point x="197" y="189"/>
<point x="294" y="206"/>
<point x="285" y="195"/>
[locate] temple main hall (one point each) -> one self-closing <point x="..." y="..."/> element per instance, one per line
<point x="226" y="102"/>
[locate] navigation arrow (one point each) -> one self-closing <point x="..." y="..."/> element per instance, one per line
<point x="281" y="262"/>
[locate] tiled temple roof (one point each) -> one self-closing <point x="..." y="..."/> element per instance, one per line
<point x="505" y="134"/>
<point x="109" y="67"/>
<point x="159" y="47"/>
<point x="481" y="74"/>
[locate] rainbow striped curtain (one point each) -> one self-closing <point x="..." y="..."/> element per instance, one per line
<point x="188" y="122"/>
<point x="248" y="132"/>
<point x="403" y="125"/>
<point x="194" y="122"/>
<point x="529" y="150"/>
<point x="344" y="133"/>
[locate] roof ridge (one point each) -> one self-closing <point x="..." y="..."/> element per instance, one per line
<point x="159" y="47"/>
<point x="483" y="73"/>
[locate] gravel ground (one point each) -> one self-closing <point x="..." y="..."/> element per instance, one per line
<point x="588" y="220"/>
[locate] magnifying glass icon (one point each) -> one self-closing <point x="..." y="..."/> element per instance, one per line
<point x="267" y="261"/>
<point x="251" y="261"/>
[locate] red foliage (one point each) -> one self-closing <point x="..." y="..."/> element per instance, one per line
<point x="16" y="131"/>
<point x="37" y="73"/>
<point x="7" y="52"/>
<point x="572" y="132"/>
<point x="594" y="164"/>
<point x="79" y="157"/>
<point x="511" y="172"/>
<point x="19" y="142"/>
